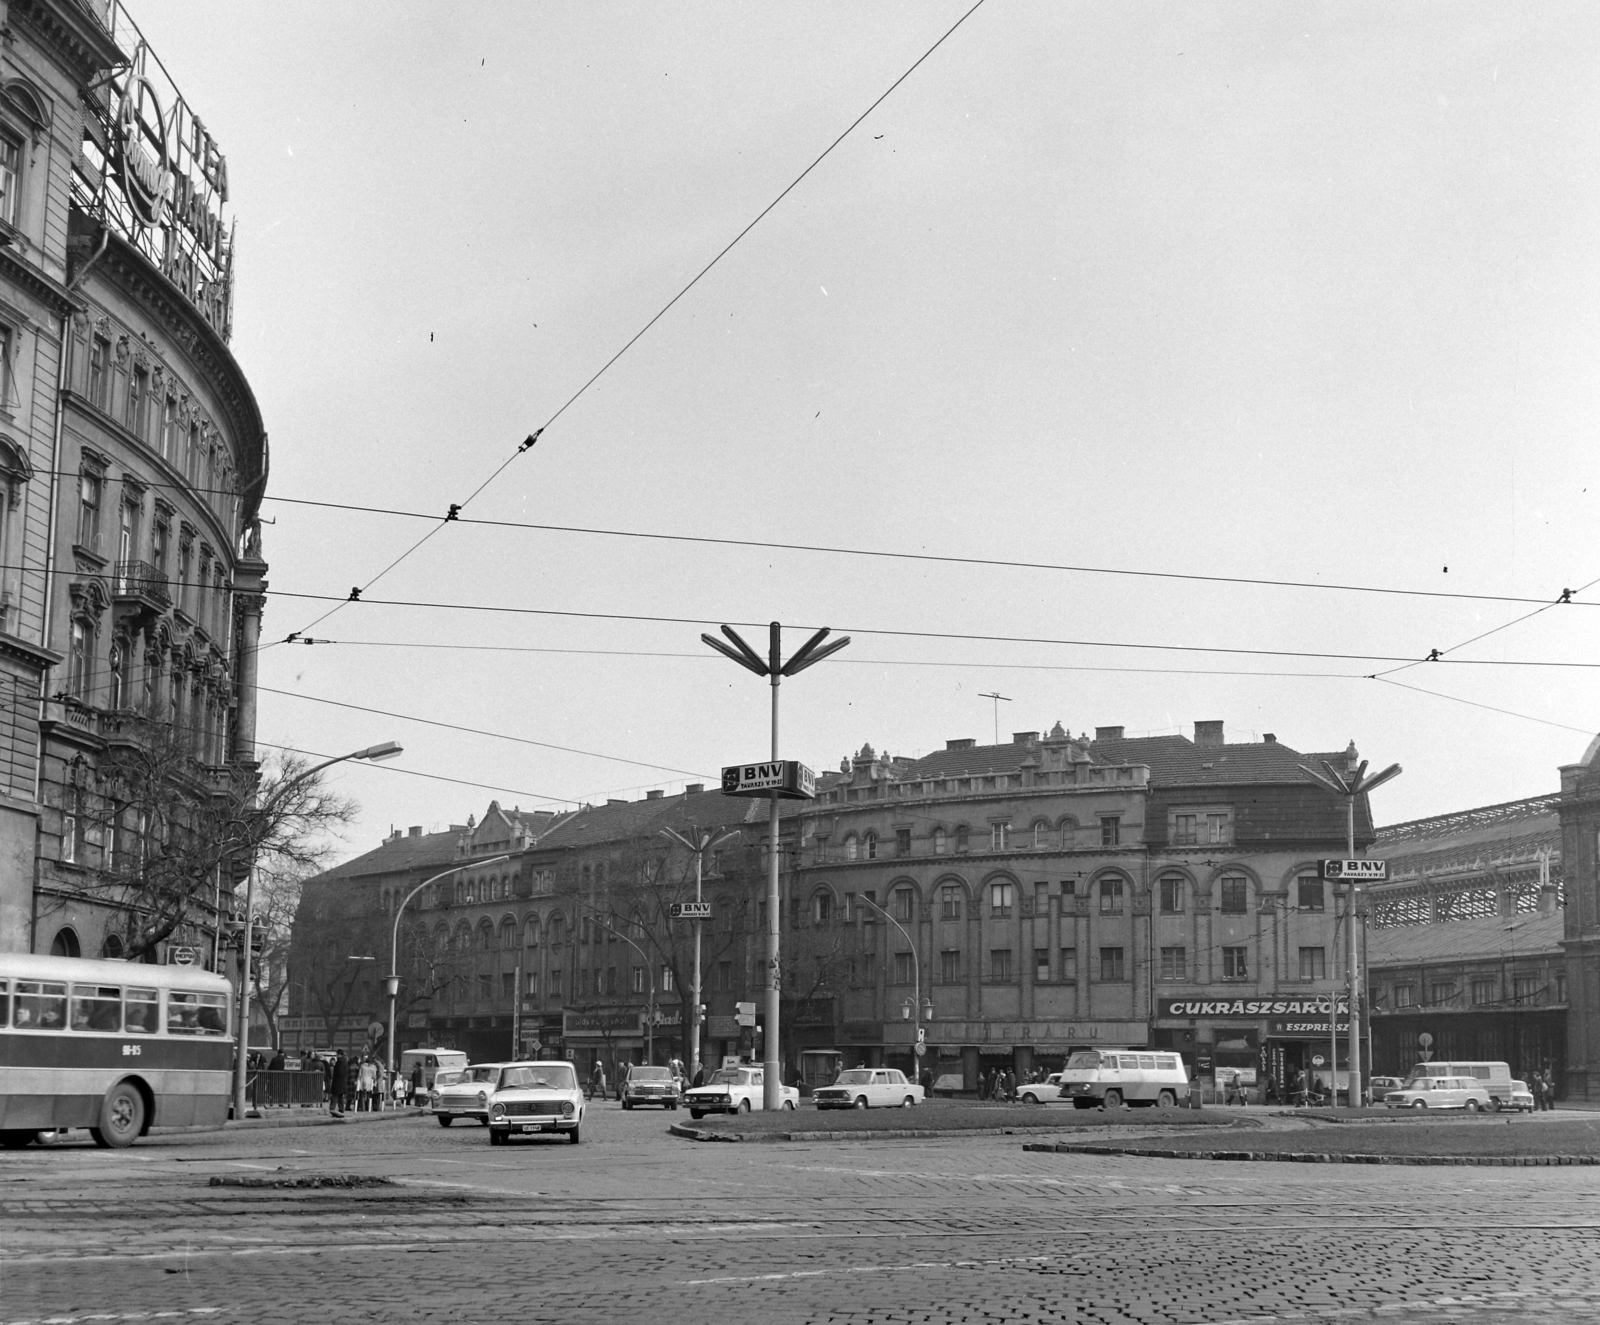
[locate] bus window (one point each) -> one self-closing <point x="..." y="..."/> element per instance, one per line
<point x="40" y="1006"/>
<point x="5" y="1003"/>
<point x="96" y="1008"/>
<point x="142" y="1012"/>
<point x="196" y="1014"/>
<point x="1147" y="1062"/>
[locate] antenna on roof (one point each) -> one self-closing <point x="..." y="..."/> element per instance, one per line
<point x="997" y="698"/>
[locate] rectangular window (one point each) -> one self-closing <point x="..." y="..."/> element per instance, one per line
<point x="1174" y="964"/>
<point x="80" y="674"/>
<point x="99" y="370"/>
<point x="1041" y="965"/>
<point x="1216" y="828"/>
<point x="1000" y="900"/>
<point x="1235" y="895"/>
<point x="10" y="178"/>
<point x="89" y="510"/>
<point x="1069" y="964"/>
<point x="638" y="980"/>
<point x="1310" y="893"/>
<point x="533" y="985"/>
<point x="1183" y="830"/>
<point x="508" y="986"/>
<point x="1000" y="965"/>
<point x="138" y="394"/>
<point x="1441" y="991"/>
<point x="1525" y="988"/>
<point x="904" y="904"/>
<point x="1069" y="887"/>
<point x="583" y="980"/>
<point x="902" y="968"/>
<point x="611" y="980"/>
<point x="555" y="981"/>
<point x="822" y="908"/>
<point x="1403" y="996"/>
<point x="1313" y="963"/>
<point x="997" y="836"/>
<point x="902" y="841"/>
<point x="1110" y="830"/>
<point x="963" y="839"/>
<point x="1482" y="992"/>
<point x="724" y="976"/>
<point x="1172" y="895"/>
<point x="141" y="1011"/>
<point x="950" y="902"/>
<point x="97" y="1008"/>
<point x="1110" y="897"/>
<point x="1111" y="965"/>
<point x="950" y="966"/>
<point x="1236" y="963"/>
<point x="1041" y="899"/>
<point x="667" y="985"/>
<point x="940" y="844"/>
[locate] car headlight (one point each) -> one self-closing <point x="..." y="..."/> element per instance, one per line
<point x="483" y="1097"/>
<point x="498" y="1113"/>
<point x="433" y="1097"/>
<point x="568" y="1109"/>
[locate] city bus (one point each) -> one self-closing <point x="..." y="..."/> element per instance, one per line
<point x="117" y="1047"/>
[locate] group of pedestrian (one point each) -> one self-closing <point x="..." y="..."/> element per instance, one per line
<point x="1543" y="1088"/>
<point x="356" y="1084"/>
<point x="999" y="1085"/>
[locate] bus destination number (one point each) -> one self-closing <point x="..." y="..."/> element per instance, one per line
<point x="131" y="1050"/>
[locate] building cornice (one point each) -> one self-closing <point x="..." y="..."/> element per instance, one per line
<point x="46" y="289"/>
<point x="32" y="655"/>
<point x="70" y="34"/>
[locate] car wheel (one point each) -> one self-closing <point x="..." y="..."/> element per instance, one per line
<point x="121" y="1116"/>
<point x="744" y="1106"/>
<point x="1166" y="1100"/>
<point x="1419" y="1104"/>
<point x="1494" y="1103"/>
<point x="14" y="1140"/>
<point x="496" y="1138"/>
<point x="697" y="1114"/>
<point x="445" y="1120"/>
<point x="861" y="1101"/>
<point x="626" y="1106"/>
<point x="576" y="1135"/>
<point x="1113" y="1099"/>
<point x="1030" y="1098"/>
<point x="1471" y="1106"/>
<point x="789" y="1104"/>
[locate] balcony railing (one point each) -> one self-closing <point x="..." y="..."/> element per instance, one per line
<point x="139" y="579"/>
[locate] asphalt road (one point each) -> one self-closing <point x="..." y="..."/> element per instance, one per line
<point x="636" y="1226"/>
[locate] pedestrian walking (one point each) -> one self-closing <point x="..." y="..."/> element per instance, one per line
<point x="1009" y="1086"/>
<point x="416" y="1083"/>
<point x="338" y="1084"/>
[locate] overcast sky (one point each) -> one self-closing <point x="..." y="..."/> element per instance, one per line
<point x="1284" y="291"/>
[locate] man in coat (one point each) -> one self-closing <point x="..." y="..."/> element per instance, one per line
<point x="339" y="1085"/>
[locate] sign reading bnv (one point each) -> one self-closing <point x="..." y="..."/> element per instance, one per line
<point x="689" y="910"/>
<point x="791" y="779"/>
<point x="1358" y="871"/>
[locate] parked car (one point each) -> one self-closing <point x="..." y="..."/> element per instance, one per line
<point x="735" y="1090"/>
<point x="1521" y="1097"/>
<point x="1379" y="1087"/>
<point x="467" y="1096"/>
<point x="1494" y="1077"/>
<point x="1440" y="1093"/>
<point x="1047" y="1091"/>
<point x="536" y="1097"/>
<point x="651" y="1085"/>
<point x="867" y="1088"/>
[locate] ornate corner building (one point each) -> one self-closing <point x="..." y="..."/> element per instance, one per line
<point x="132" y="458"/>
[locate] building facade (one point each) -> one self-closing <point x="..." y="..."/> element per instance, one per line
<point x="1580" y="935"/>
<point x="132" y="460"/>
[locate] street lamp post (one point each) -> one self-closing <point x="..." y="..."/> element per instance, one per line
<point x="385" y="750"/>
<point x="916" y="1009"/>
<point x="773" y="667"/>
<point x="1349" y="784"/>
<point x="650" y="1032"/>
<point x="391" y="982"/>
<point x="705" y="839"/>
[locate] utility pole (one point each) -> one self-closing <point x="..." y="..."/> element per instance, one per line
<point x="1350" y="785"/>
<point x="704" y="840"/>
<point x="773" y="667"/>
<point x="997" y="698"/>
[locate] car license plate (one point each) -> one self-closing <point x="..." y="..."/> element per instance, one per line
<point x="528" y="1127"/>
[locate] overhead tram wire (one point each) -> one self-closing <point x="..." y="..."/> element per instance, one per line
<point x="946" y="559"/>
<point x="1491" y="708"/>
<point x="571" y="400"/>
<point x="965" y="636"/>
<point x="479" y="731"/>
<point x="432" y="777"/>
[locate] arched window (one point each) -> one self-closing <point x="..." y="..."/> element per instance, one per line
<point x="852" y="848"/>
<point x="508" y="933"/>
<point x="65" y="943"/>
<point x="112" y="948"/>
<point x="463" y="941"/>
<point x="530" y="932"/>
<point x="872" y="846"/>
<point x="1041" y="833"/>
<point x="1172" y="894"/>
<point x="940" y="846"/>
<point x="821" y="907"/>
<point x="485" y="934"/>
<point x="555" y="931"/>
<point x="950" y="901"/>
<point x="903" y="904"/>
<point x="962" y="838"/>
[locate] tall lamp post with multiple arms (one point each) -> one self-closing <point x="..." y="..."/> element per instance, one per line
<point x="391" y="982"/>
<point x="916" y="1008"/>
<point x="386" y="750"/>
<point x="705" y="839"/>
<point x="1349" y="785"/>
<point x="773" y="667"/>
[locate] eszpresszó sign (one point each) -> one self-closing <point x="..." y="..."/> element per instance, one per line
<point x="1303" y="1008"/>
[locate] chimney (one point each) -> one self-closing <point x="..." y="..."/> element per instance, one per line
<point x="415" y="831"/>
<point x="613" y="800"/>
<point x="653" y="795"/>
<point x="1108" y="733"/>
<point x="1269" y="738"/>
<point x="1024" y="738"/>
<point x="1208" y="733"/>
<point x="960" y="745"/>
<point x="694" y="788"/>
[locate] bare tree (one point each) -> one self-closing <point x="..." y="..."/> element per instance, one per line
<point x="169" y="838"/>
<point x="277" y="899"/>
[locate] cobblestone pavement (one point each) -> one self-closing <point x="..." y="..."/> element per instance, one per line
<point x="635" y="1224"/>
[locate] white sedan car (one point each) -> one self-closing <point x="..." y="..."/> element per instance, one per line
<point x="468" y="1095"/>
<point x="735" y="1090"/>
<point x="1047" y="1091"/>
<point x="536" y="1097"/>
<point x="868" y="1088"/>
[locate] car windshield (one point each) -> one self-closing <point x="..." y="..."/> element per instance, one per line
<point x="726" y="1076"/>
<point x="447" y="1078"/>
<point x="488" y="1073"/>
<point x="650" y="1074"/>
<point x="856" y="1076"/>
<point x="540" y="1076"/>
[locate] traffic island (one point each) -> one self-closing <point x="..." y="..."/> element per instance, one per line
<point x="940" y="1118"/>
<point x="1486" y="1140"/>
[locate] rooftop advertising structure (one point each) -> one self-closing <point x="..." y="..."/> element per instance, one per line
<point x="153" y="174"/>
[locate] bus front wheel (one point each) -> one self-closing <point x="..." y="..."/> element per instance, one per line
<point x="121" y="1116"/>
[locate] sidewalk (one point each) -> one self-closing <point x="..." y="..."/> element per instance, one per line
<point x="313" y="1117"/>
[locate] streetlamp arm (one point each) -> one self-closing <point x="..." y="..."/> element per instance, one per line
<point x="916" y="965"/>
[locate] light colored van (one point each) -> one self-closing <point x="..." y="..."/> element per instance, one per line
<point x="1493" y="1077"/>
<point x="433" y="1061"/>
<point x="1114" y="1077"/>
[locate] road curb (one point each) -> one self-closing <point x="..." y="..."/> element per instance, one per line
<point x="1315" y="1157"/>
<point x="872" y="1134"/>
